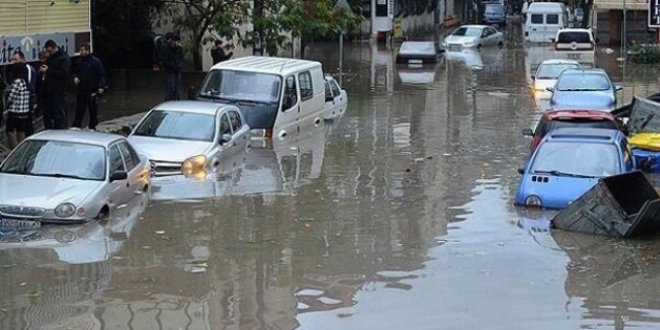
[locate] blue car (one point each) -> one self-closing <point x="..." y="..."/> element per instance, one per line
<point x="585" y="89"/>
<point x="568" y="162"/>
<point x="494" y="14"/>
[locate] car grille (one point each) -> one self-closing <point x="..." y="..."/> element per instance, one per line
<point x="164" y="168"/>
<point x="21" y="211"/>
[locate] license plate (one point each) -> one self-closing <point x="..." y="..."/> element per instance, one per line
<point x="16" y="224"/>
<point x="415" y="61"/>
<point x="574" y="56"/>
<point x="415" y="66"/>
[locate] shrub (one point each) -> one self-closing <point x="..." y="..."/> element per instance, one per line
<point x="644" y="54"/>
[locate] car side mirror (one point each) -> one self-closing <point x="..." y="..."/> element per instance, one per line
<point x="618" y="87"/>
<point x="225" y="138"/>
<point x="521" y="170"/>
<point x="550" y="89"/>
<point x="118" y="176"/>
<point x="533" y="77"/>
<point x="527" y="132"/>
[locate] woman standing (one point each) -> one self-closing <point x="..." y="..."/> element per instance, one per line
<point x="18" y="105"/>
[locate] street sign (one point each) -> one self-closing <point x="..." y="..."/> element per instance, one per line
<point x="654" y="13"/>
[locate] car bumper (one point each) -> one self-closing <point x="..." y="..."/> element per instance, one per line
<point x="416" y="59"/>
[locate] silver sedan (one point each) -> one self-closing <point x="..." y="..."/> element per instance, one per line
<point x="67" y="176"/>
<point x="473" y="36"/>
<point x="190" y="137"/>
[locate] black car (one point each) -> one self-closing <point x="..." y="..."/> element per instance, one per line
<point x="418" y="52"/>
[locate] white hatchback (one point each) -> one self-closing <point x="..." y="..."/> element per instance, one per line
<point x="549" y="70"/>
<point x="336" y="99"/>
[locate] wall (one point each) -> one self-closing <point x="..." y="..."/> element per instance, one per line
<point x="610" y="23"/>
<point x="40" y="16"/>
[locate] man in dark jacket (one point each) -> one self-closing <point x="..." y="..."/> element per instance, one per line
<point x="56" y="71"/>
<point x="172" y="64"/>
<point x="18" y="56"/>
<point x="218" y="53"/>
<point x="89" y="76"/>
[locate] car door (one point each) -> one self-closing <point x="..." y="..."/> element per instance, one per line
<point x="240" y="133"/>
<point x="339" y="97"/>
<point x="136" y="175"/>
<point x="226" y="147"/>
<point x="484" y="37"/>
<point x="118" y="191"/>
<point x="290" y="113"/>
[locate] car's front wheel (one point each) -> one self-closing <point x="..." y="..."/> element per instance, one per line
<point x="500" y="44"/>
<point x="105" y="211"/>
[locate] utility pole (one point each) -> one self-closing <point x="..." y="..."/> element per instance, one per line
<point x="257" y="34"/>
<point x="340" y="7"/>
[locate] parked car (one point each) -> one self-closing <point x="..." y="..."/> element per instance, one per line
<point x="418" y="52"/>
<point x="494" y="14"/>
<point x="576" y="44"/>
<point x="336" y="99"/>
<point x="568" y="162"/>
<point x="554" y="119"/>
<point x="189" y="137"/>
<point x="584" y="89"/>
<point x="69" y="176"/>
<point x="473" y="36"/>
<point x="549" y="70"/>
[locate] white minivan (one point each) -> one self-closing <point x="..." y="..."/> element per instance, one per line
<point x="276" y="95"/>
<point x="543" y="20"/>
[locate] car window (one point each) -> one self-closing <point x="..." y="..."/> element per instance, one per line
<point x="540" y="129"/>
<point x="116" y="162"/>
<point x="587" y="123"/>
<point x="583" y="82"/>
<point x="552" y="71"/>
<point x="290" y="93"/>
<point x="131" y="158"/>
<point x="328" y="91"/>
<point x="536" y="18"/>
<point x="494" y="9"/>
<point x="225" y="125"/>
<point x="236" y="122"/>
<point x="178" y="125"/>
<point x="552" y="19"/>
<point x="581" y="37"/>
<point x="57" y="158"/>
<point x="306" y="87"/>
<point x="467" y="32"/>
<point x="336" y="91"/>
<point x="491" y="31"/>
<point x="577" y="158"/>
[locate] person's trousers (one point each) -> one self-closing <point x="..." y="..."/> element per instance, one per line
<point x="86" y="101"/>
<point x="55" y="112"/>
<point x="172" y="86"/>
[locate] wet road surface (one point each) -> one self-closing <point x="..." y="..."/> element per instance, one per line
<point x="398" y="216"/>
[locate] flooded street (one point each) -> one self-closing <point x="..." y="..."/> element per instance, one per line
<point x="399" y="215"/>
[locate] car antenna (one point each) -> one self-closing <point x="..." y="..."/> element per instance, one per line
<point x="282" y="67"/>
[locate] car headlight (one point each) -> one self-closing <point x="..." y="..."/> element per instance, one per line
<point x="193" y="165"/>
<point x="469" y="44"/>
<point x="65" y="210"/>
<point x="533" y="201"/>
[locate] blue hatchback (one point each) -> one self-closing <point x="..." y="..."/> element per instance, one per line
<point x="494" y="14"/>
<point x="568" y="162"/>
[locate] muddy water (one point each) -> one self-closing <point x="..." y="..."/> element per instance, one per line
<point x="404" y="220"/>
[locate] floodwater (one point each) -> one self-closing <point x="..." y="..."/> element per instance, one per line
<point x="397" y="216"/>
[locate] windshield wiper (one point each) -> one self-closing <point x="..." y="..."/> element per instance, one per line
<point x="59" y="175"/>
<point x="559" y="173"/>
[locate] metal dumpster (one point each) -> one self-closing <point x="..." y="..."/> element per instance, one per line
<point x="624" y="205"/>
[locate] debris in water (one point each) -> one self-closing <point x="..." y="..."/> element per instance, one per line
<point x="196" y="267"/>
<point x="160" y="232"/>
<point x="23" y="283"/>
<point x="419" y="160"/>
<point x="146" y="247"/>
<point x="446" y="154"/>
<point x="117" y="257"/>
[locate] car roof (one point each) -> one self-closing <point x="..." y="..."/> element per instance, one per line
<point x="583" y="134"/>
<point x="577" y="114"/>
<point x="575" y="30"/>
<point x="265" y="64"/>
<point x="474" y="26"/>
<point x="584" y="71"/>
<point x="559" y="61"/>
<point x="77" y="136"/>
<point x="198" y="107"/>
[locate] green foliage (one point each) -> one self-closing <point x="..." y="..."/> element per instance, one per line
<point x="644" y="54"/>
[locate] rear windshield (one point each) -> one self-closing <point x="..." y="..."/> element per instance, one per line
<point x="582" y="123"/>
<point x="494" y="9"/>
<point x="578" y="37"/>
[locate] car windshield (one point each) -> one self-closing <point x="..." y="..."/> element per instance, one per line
<point x="467" y="32"/>
<point x="583" y="123"/>
<point x="583" y="82"/>
<point x="552" y="71"/>
<point x="57" y="159"/>
<point x="576" y="159"/>
<point x="494" y="9"/>
<point x="577" y="37"/>
<point x="235" y="85"/>
<point x="417" y="47"/>
<point x="578" y="11"/>
<point x="178" y="125"/>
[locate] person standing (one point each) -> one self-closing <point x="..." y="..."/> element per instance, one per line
<point x="41" y="85"/>
<point x="89" y="76"/>
<point x="19" y="57"/>
<point x="218" y="53"/>
<point x="56" y="71"/>
<point x="172" y="65"/>
<point x="18" y="105"/>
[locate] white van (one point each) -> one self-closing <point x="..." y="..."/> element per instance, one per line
<point x="276" y="95"/>
<point x="543" y="20"/>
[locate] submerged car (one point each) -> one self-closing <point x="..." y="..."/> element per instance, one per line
<point x="69" y="176"/>
<point x="584" y="89"/>
<point x="418" y="52"/>
<point x="554" y="119"/>
<point x="569" y="162"/>
<point x="473" y="36"/>
<point x="336" y="99"/>
<point x="549" y="70"/>
<point x="494" y="14"/>
<point x="189" y="137"/>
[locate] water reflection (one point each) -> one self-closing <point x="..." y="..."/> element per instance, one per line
<point x="54" y="278"/>
<point x="470" y="57"/>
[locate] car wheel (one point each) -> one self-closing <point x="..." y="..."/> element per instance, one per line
<point x="105" y="211"/>
<point x="479" y="47"/>
<point x="500" y="44"/>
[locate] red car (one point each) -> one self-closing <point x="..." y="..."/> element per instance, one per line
<point x="570" y="118"/>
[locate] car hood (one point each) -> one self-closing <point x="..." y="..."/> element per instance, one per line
<point x="169" y="150"/>
<point x="460" y="39"/>
<point x="542" y="84"/>
<point x="557" y="193"/>
<point x="39" y="191"/>
<point x="583" y="100"/>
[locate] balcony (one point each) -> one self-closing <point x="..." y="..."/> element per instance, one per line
<point x="618" y="4"/>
